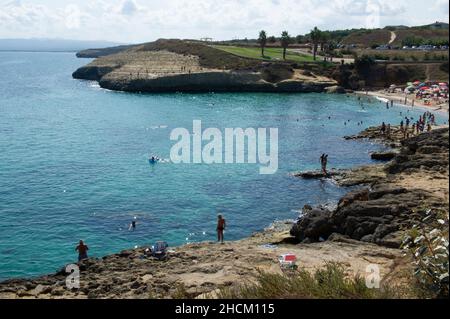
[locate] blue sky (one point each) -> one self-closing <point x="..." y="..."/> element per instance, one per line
<point x="144" y="20"/>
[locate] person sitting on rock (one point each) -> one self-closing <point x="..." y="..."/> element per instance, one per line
<point x="82" y="251"/>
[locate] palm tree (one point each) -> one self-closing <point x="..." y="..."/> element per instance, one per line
<point x="315" y="37"/>
<point x="325" y="38"/>
<point x="285" y="40"/>
<point x="262" y="40"/>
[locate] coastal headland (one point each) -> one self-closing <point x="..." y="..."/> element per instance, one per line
<point x="367" y="227"/>
<point x="182" y="66"/>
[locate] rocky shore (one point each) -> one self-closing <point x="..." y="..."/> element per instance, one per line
<point x="180" y="66"/>
<point x="393" y="197"/>
<point x="201" y="270"/>
<point x="367" y="227"/>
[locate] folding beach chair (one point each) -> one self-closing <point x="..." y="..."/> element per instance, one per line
<point x="288" y="261"/>
<point x="159" y="250"/>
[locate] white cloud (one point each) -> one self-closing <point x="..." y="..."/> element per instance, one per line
<point x="144" y="20"/>
<point x="128" y="7"/>
<point x="73" y="16"/>
<point x="367" y="7"/>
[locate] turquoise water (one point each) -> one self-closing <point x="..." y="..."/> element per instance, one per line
<point x="74" y="162"/>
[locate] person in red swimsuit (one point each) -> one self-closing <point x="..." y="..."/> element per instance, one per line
<point x="220" y="228"/>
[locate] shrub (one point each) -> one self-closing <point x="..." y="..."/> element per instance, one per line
<point x="428" y="244"/>
<point x="330" y="282"/>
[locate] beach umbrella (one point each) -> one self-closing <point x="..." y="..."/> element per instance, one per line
<point x="416" y="82"/>
<point x="442" y="84"/>
<point x="409" y="84"/>
<point x="424" y="88"/>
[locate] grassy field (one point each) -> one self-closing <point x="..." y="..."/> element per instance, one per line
<point x="271" y="54"/>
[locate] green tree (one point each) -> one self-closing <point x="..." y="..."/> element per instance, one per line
<point x="325" y="38"/>
<point x="364" y="65"/>
<point x="285" y="41"/>
<point x="272" y="39"/>
<point x="300" y="39"/>
<point x="262" y="40"/>
<point x="413" y="41"/>
<point x="315" y="37"/>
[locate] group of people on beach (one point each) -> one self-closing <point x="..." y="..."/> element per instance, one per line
<point x="82" y="248"/>
<point x="425" y="122"/>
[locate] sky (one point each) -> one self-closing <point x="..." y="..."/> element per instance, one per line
<point x="133" y="21"/>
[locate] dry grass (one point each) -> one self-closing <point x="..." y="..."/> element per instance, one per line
<point x="367" y="38"/>
<point x="329" y="282"/>
<point x="209" y="57"/>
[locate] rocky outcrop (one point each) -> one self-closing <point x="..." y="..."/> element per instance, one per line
<point x="181" y="66"/>
<point x="335" y="89"/>
<point x="380" y="212"/>
<point x="383" y="156"/>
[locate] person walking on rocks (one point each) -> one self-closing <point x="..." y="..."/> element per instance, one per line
<point x="220" y="228"/>
<point x="82" y="251"/>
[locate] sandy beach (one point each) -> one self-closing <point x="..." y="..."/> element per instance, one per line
<point x="411" y="101"/>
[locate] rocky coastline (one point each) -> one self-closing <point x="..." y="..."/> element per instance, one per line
<point x="393" y="196"/>
<point x="367" y="226"/>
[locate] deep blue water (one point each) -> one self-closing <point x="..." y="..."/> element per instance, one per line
<point x="74" y="162"/>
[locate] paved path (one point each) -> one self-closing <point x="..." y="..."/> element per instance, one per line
<point x="393" y="37"/>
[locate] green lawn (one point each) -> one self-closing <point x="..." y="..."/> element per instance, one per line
<point x="271" y="54"/>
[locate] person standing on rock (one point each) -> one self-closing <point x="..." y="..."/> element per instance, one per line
<point x="220" y="228"/>
<point x="383" y="128"/>
<point x="82" y="251"/>
<point x="324" y="162"/>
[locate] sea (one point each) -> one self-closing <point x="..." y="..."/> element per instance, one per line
<point x="74" y="162"/>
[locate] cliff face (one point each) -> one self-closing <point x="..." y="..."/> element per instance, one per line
<point x="172" y="65"/>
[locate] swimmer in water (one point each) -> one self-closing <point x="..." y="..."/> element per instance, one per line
<point x="153" y="160"/>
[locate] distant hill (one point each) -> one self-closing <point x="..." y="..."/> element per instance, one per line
<point x="370" y="37"/>
<point x="435" y="26"/>
<point x="55" y="45"/>
<point x="367" y="38"/>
